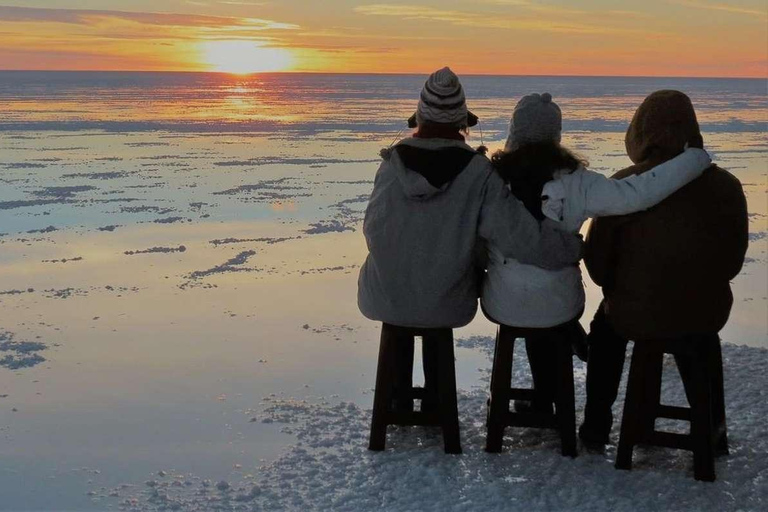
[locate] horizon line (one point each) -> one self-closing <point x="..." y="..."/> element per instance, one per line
<point x="359" y="73"/>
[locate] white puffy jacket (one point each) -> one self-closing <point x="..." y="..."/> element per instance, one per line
<point x="527" y="296"/>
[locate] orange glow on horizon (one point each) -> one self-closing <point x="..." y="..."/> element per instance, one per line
<point x="244" y="57"/>
<point x="657" y="38"/>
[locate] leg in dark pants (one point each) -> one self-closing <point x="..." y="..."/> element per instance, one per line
<point x="606" y="362"/>
<point x="543" y="368"/>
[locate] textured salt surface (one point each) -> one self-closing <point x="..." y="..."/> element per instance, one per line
<point x="224" y="194"/>
<point x="329" y="468"/>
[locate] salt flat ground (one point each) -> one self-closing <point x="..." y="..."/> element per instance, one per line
<point x="179" y="331"/>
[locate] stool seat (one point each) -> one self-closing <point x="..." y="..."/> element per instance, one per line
<point x="699" y="359"/>
<point x="394" y="396"/>
<point x="563" y="419"/>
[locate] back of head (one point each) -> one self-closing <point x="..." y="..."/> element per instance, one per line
<point x="442" y="100"/>
<point x="532" y="153"/>
<point x="661" y="127"/>
<point x="536" y="119"/>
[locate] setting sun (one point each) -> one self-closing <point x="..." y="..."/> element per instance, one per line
<point x="244" y="57"/>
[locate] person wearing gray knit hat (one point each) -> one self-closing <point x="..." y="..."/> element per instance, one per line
<point x="442" y="101"/>
<point x="536" y="118"/>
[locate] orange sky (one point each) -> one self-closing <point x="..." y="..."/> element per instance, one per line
<point x="592" y="37"/>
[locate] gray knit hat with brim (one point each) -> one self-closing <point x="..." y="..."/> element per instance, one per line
<point x="536" y="119"/>
<point x="442" y="101"/>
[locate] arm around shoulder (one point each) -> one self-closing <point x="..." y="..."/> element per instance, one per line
<point x="506" y="223"/>
<point x="605" y="196"/>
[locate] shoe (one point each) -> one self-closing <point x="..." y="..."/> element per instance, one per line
<point x="528" y="407"/>
<point x="593" y="440"/>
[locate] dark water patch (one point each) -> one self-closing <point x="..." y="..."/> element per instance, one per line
<point x="362" y="198"/>
<point x="161" y="157"/>
<point x="19" y="354"/>
<point x="97" y="175"/>
<point x="70" y="148"/>
<point x="146" y="209"/>
<point x="271" y="197"/>
<point x="17" y="292"/>
<point x="112" y="200"/>
<point x="327" y="226"/>
<point x="120" y="290"/>
<point x="324" y="270"/>
<point x="153" y="185"/>
<point x="146" y="144"/>
<point x="49" y="229"/>
<point x="231" y="265"/>
<point x="156" y="250"/>
<point x="64" y="260"/>
<point x="171" y="220"/>
<point x="268" y="185"/>
<point x="267" y="240"/>
<point x="109" y="159"/>
<point x="350" y="182"/>
<point x="63" y="192"/>
<point x="25" y="165"/>
<point x="64" y="293"/>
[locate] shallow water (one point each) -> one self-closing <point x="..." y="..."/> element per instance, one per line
<point x="175" y="248"/>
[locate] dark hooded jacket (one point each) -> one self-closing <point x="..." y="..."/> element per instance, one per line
<point x="666" y="272"/>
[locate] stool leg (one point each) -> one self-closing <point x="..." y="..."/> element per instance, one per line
<point x="430" y="360"/>
<point x="564" y="399"/>
<point x="402" y="346"/>
<point x="631" y="410"/>
<point x="493" y="374"/>
<point x="448" y="404"/>
<point x="501" y="380"/>
<point x="701" y="422"/>
<point x="718" y="397"/>
<point x="383" y="393"/>
<point x="649" y="406"/>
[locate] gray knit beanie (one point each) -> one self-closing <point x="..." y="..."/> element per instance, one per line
<point x="536" y="119"/>
<point x="442" y="99"/>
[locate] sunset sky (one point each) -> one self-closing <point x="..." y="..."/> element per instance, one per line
<point x="553" y="37"/>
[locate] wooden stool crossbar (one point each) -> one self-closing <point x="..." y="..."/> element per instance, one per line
<point x="499" y="415"/>
<point x="393" y="402"/>
<point x="701" y="365"/>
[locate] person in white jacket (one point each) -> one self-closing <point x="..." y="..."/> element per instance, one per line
<point x="554" y="183"/>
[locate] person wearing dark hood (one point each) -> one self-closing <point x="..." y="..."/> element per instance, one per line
<point x="665" y="272"/>
<point x="434" y="199"/>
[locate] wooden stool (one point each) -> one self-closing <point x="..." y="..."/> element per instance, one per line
<point x="395" y="393"/>
<point x="499" y="415"/>
<point x="701" y="363"/>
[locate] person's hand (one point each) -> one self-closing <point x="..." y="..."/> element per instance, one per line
<point x="700" y="153"/>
